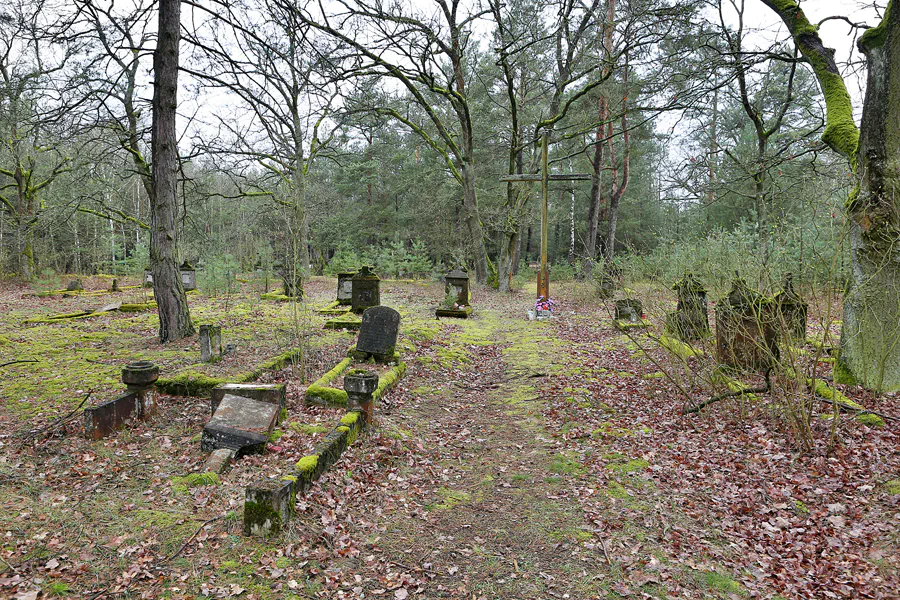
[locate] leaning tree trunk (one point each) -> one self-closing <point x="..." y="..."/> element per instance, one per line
<point x="174" y="317"/>
<point x="870" y="338"/>
<point x="870" y="335"/>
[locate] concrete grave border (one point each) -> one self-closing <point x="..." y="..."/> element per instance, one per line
<point x="320" y="392"/>
<point x="269" y="503"/>
<point x="194" y="384"/>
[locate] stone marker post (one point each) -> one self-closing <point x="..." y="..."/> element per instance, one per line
<point x="360" y="385"/>
<point x="365" y="291"/>
<point x="629" y="309"/>
<point x="210" y="342"/>
<point x="139" y="378"/>
<point x="745" y="329"/>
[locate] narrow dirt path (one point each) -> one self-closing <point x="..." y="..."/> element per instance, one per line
<point x="497" y="521"/>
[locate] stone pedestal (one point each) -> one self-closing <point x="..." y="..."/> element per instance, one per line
<point x="267" y="506"/>
<point x="746" y="336"/>
<point x="360" y="385"/>
<point x="345" y="288"/>
<point x="365" y="292"/>
<point x="138" y="403"/>
<point x="210" y="343"/>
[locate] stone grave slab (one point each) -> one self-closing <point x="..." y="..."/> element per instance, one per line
<point x="273" y="393"/>
<point x="241" y="424"/>
<point x="378" y="332"/>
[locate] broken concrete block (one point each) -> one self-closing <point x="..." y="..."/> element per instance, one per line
<point x="267" y="506"/>
<point x="241" y="424"/>
<point x="218" y="461"/>
<point x="273" y="393"/>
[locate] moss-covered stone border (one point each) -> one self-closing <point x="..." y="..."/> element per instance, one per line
<point x="194" y="384"/>
<point x="320" y="393"/>
<point x="87" y="314"/>
<point x="334" y="308"/>
<point x="269" y="503"/>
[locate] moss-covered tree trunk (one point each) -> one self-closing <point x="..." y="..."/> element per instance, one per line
<point x="174" y="317"/>
<point x="870" y="336"/>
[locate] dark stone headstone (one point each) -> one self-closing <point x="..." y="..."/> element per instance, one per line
<point x="241" y="424"/>
<point x="104" y="419"/>
<point x="74" y="286"/>
<point x="378" y="332"/>
<point x="188" y="276"/>
<point x="629" y="309"/>
<point x="365" y="290"/>
<point x="690" y="321"/>
<point x="792" y="310"/>
<point x="746" y="336"/>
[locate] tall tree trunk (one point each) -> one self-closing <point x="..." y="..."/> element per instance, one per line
<point x="174" y="316"/>
<point x="472" y="221"/>
<point x="618" y="188"/>
<point x="595" y="204"/>
<point x="870" y="338"/>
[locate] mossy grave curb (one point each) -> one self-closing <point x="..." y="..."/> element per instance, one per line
<point x="334" y="308"/>
<point x="194" y="384"/>
<point x="87" y="314"/>
<point x="320" y="393"/>
<point x="269" y="503"/>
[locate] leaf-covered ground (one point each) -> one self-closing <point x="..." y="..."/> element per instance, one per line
<point x="516" y="459"/>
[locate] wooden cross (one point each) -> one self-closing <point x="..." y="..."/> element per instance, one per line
<point x="545" y="177"/>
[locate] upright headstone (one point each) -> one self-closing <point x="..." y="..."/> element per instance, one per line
<point x="378" y="333"/>
<point x="629" y="310"/>
<point x="365" y="291"/>
<point x="75" y="286"/>
<point x="148" y="277"/>
<point x="456" y="295"/>
<point x="745" y="329"/>
<point x="210" y="342"/>
<point x="188" y="276"/>
<point x="792" y="310"/>
<point x="690" y="321"/>
<point x="345" y="288"/>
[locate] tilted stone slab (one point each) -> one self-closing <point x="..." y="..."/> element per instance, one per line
<point x="273" y="393"/>
<point x="241" y="424"/>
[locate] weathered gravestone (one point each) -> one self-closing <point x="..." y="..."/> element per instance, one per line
<point x="210" y="342"/>
<point x="240" y="424"/>
<point x="345" y="288"/>
<point x="75" y="286"/>
<point x="188" y="276"/>
<point x="378" y="334"/>
<point x="690" y="321"/>
<point x="456" y="295"/>
<point x="365" y="291"/>
<point x="746" y="336"/>
<point x="273" y="393"/>
<point x="629" y="310"/>
<point x="792" y="310"/>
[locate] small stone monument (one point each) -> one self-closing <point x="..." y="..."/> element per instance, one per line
<point x="457" y="297"/>
<point x="364" y="290"/>
<point x="139" y="402"/>
<point x="378" y="334"/>
<point x="690" y="321"/>
<point x="75" y="286"/>
<point x="630" y="310"/>
<point x="115" y="286"/>
<point x="360" y="385"/>
<point x="792" y="310"/>
<point x="188" y="276"/>
<point x="148" y="277"/>
<point x="745" y="329"/>
<point x="291" y="279"/>
<point x="210" y="343"/>
<point x="240" y="424"/>
<point x="345" y="288"/>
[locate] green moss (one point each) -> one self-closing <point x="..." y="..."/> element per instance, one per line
<point x="350" y="419"/>
<point x="137" y="307"/>
<point x="892" y="486"/>
<point x="4" y="340"/>
<point x="307" y="429"/>
<point x="870" y="420"/>
<point x="192" y="480"/>
<point x="876" y="36"/>
<point x="308" y="464"/>
<point x="260" y="514"/>
<point x="841" y="372"/>
<point x="327" y="396"/>
<point x="334" y="372"/>
<point x="275" y="435"/>
<point x="188" y="383"/>
<point x="632" y="466"/>
<point x="823" y="390"/>
<point x="617" y="490"/>
<point x="57" y="588"/>
<point x="387" y="381"/>
<point x="451" y="499"/>
<point x="722" y="583"/>
<point x="229" y="565"/>
<point x="563" y="464"/>
<point x="679" y="348"/>
<point x="800" y="508"/>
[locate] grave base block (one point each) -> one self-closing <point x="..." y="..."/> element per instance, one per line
<point x="267" y="506"/>
<point x="456" y="313"/>
<point x="106" y="418"/>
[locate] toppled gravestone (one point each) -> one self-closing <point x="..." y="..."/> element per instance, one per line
<point x="273" y="393"/>
<point x="240" y="424"/>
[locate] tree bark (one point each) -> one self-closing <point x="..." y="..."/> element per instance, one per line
<point x="174" y="316"/>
